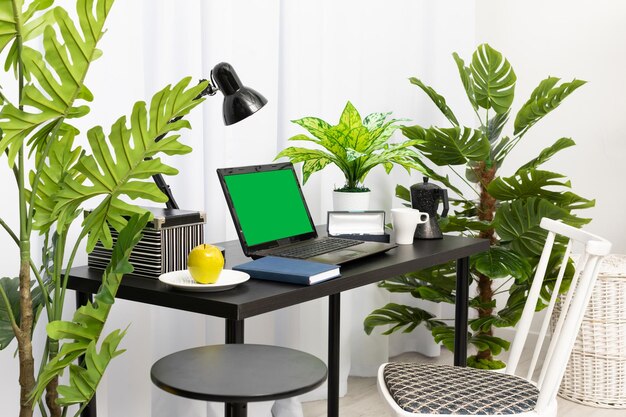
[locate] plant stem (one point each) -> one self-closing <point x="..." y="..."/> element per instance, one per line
<point x="466" y="182"/>
<point x="58" y="266"/>
<point x="69" y="264"/>
<point x="478" y="116"/>
<point x="33" y="267"/>
<point x="512" y="144"/>
<point x="23" y="336"/>
<point x="496" y="291"/>
<point x="42" y="409"/>
<point x="486" y="212"/>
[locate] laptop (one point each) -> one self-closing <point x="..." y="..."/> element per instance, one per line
<point x="272" y="218"/>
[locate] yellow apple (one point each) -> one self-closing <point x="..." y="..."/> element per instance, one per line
<point x="205" y="262"/>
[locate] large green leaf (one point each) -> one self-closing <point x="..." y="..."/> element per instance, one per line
<point x="495" y="126"/>
<point x="528" y="183"/>
<point x="501" y="263"/>
<point x="450" y="146"/>
<point x="82" y="334"/>
<point x="380" y="129"/>
<point x="547" y="153"/>
<point x="493" y="79"/>
<point x="61" y="81"/>
<point x="314" y="159"/>
<point x="537" y="183"/>
<point x="378" y="136"/>
<point x="545" y="98"/>
<point x="403" y="193"/>
<point x="462" y="224"/>
<point x="517" y="224"/>
<point x="120" y="166"/>
<point x="492" y="343"/>
<point x="393" y="154"/>
<point x="500" y="149"/>
<point x="439" y="100"/>
<point x="441" y="278"/>
<point x="484" y="324"/>
<point x="59" y="165"/>
<point x="350" y="117"/>
<point x="315" y="126"/>
<point x="399" y="316"/>
<point x="466" y="78"/>
<point x="10" y="287"/>
<point x="14" y="21"/>
<point x="84" y="380"/>
<point x="445" y="335"/>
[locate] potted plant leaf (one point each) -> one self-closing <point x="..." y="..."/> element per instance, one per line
<point x="504" y="208"/>
<point x="37" y="130"/>
<point x="355" y="146"/>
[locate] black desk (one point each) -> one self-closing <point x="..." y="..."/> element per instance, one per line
<point x="256" y="297"/>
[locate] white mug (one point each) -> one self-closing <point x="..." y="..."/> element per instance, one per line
<point x="405" y="220"/>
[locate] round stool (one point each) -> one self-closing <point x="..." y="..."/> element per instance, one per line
<point x="238" y="373"/>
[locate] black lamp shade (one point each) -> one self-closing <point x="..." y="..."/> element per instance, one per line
<point x="239" y="101"/>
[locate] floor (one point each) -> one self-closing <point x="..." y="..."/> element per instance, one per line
<point x="362" y="399"/>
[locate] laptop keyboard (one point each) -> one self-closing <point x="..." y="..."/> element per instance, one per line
<point x="317" y="247"/>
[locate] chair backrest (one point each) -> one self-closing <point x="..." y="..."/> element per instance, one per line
<point x="572" y="308"/>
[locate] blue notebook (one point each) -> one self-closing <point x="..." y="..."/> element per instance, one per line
<point x="295" y="271"/>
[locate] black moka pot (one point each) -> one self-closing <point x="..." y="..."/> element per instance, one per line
<point x="425" y="197"/>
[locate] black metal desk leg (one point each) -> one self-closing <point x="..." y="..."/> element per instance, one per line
<point x="234" y="334"/>
<point x="334" y="323"/>
<point x="234" y="331"/>
<point x="81" y="299"/>
<point x="460" y="313"/>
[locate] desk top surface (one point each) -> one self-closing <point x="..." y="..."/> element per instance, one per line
<point x="256" y="297"/>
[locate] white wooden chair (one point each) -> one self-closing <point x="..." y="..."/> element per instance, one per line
<point x="414" y="389"/>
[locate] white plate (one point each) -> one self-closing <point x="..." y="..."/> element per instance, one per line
<point x="182" y="280"/>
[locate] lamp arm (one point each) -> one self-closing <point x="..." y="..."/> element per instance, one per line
<point x="210" y="90"/>
<point x="165" y="189"/>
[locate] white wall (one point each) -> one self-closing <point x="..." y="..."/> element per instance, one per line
<point x="571" y="39"/>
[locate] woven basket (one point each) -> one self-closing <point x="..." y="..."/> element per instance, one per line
<point x="596" y="371"/>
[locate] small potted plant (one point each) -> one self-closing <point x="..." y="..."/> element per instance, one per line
<point x="355" y="146"/>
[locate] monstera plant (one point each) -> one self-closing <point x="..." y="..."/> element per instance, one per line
<point x="505" y="209"/>
<point x="56" y="178"/>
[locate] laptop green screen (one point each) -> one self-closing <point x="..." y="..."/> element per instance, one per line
<point x="269" y="205"/>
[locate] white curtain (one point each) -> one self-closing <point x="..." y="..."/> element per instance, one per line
<point x="308" y="58"/>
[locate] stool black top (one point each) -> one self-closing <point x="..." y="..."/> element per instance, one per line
<point x="236" y="373"/>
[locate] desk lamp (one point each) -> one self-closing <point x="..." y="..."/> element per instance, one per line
<point x="239" y="102"/>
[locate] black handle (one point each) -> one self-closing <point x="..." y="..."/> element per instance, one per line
<point x="446" y="205"/>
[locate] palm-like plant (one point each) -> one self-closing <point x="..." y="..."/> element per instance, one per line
<point x="37" y="125"/>
<point x="504" y="209"/>
<point x="354" y="145"/>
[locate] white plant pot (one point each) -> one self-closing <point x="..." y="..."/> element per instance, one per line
<point x="346" y="201"/>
